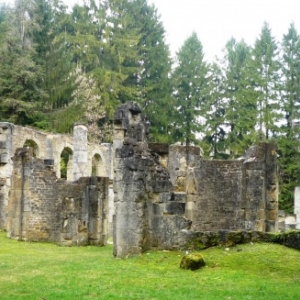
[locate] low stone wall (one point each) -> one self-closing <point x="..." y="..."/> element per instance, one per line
<point x="289" y="239"/>
<point x="191" y="240"/>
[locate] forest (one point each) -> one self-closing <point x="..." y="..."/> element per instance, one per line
<point x="59" y="66"/>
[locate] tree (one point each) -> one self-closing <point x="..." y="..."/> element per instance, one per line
<point x="265" y="73"/>
<point x="190" y="89"/>
<point x="288" y="139"/>
<point x="214" y="140"/>
<point x="240" y="103"/>
<point x="153" y="80"/>
<point x="21" y="79"/>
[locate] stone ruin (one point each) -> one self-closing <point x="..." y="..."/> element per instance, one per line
<point x="142" y="195"/>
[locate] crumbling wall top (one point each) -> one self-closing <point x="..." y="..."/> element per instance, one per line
<point x="129" y="118"/>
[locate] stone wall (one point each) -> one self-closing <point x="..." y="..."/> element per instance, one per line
<point x="234" y="194"/>
<point x="43" y="208"/>
<point x="161" y="194"/>
<point x="85" y="158"/>
<point x="297" y="207"/>
<point x="6" y="152"/>
<point x="164" y="194"/>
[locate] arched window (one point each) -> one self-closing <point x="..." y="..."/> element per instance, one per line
<point x="32" y="144"/>
<point x="98" y="166"/>
<point x="65" y="158"/>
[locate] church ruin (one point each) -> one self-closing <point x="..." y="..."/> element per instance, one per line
<point x="64" y="189"/>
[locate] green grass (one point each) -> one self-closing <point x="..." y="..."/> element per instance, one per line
<point x="45" y="271"/>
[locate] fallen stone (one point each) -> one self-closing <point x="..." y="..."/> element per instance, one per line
<point x="192" y="262"/>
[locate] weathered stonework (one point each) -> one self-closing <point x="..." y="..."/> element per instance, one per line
<point x="84" y="160"/>
<point x="159" y="200"/>
<point x="297" y="206"/>
<point x="42" y="208"/>
<point x="6" y="152"/>
<point x="145" y="195"/>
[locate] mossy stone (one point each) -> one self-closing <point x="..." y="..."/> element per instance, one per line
<point x="192" y="262"/>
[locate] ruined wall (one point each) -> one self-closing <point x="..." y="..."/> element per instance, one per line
<point x="163" y="195"/>
<point x="227" y="194"/>
<point x="142" y="189"/>
<point x="297" y="206"/>
<point x="42" y="208"/>
<point x="88" y="159"/>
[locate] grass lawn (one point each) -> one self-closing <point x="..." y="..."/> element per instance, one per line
<point x="45" y="271"/>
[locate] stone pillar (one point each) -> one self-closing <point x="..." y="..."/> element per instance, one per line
<point x="6" y="167"/>
<point x="80" y="154"/>
<point x="129" y="221"/>
<point x="271" y="188"/>
<point x="297" y="206"/>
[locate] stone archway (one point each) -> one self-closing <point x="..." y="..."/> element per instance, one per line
<point x="32" y="144"/>
<point x="98" y="168"/>
<point x="65" y="163"/>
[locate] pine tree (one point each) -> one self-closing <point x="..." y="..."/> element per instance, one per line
<point x="190" y="89"/>
<point x="120" y="54"/>
<point x="153" y="80"/>
<point x="265" y="73"/>
<point x="72" y="57"/>
<point x="214" y="140"/>
<point x="240" y="107"/>
<point x="21" y="79"/>
<point x="288" y="139"/>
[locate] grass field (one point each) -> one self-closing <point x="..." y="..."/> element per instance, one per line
<point x="45" y="271"/>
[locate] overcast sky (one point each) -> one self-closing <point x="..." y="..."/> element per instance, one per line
<point x="216" y="21"/>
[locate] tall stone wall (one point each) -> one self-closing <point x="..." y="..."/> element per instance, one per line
<point x="42" y="208"/>
<point x="297" y="206"/>
<point x="6" y="152"/>
<point x="161" y="202"/>
<point x="142" y="187"/>
<point x="228" y="194"/>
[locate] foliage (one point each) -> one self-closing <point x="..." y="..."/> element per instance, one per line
<point x="190" y="89"/>
<point x="288" y="139"/>
<point x="58" y="67"/>
<point x="265" y="75"/>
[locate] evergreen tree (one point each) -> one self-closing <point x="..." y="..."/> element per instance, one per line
<point x="214" y="140"/>
<point x="265" y="73"/>
<point x="121" y="59"/>
<point x="153" y="80"/>
<point x="72" y="57"/>
<point x="240" y="106"/>
<point x="190" y="90"/>
<point x="288" y="140"/>
<point x="21" y="79"/>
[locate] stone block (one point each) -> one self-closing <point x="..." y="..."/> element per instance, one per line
<point x="192" y="262"/>
<point x="175" y="208"/>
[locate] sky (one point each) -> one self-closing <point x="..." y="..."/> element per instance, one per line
<point x="216" y="21"/>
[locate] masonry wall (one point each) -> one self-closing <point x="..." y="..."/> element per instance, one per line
<point x="43" y="208"/>
<point x="228" y="194"/>
<point x="6" y="152"/>
<point x="164" y="195"/>
<point x="49" y="146"/>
